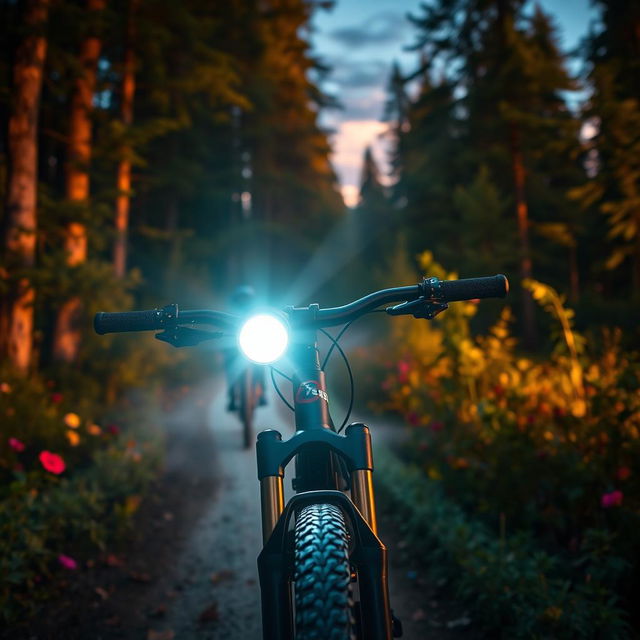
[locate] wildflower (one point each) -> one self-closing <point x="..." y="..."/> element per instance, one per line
<point x="113" y="429"/>
<point x="613" y="499"/>
<point x="67" y="562"/>
<point x="403" y="371"/>
<point x="73" y="438"/>
<point x="413" y="418"/>
<point x="623" y="473"/>
<point x="52" y="462"/>
<point x="94" y="429"/>
<point x="16" y="445"/>
<point x="56" y="397"/>
<point x="72" y="420"/>
<point x="5" y="387"/>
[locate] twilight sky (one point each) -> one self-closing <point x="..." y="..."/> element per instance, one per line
<point x="360" y="39"/>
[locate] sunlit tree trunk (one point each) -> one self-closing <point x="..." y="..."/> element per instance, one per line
<point x="522" y="212"/>
<point x="66" y="341"/>
<point x="123" y="200"/>
<point x="19" y="232"/>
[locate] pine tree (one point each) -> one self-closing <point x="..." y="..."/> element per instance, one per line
<point x="20" y="221"/>
<point x="614" y="107"/>
<point x="374" y="214"/>
<point x="508" y="74"/>
<point x="66" y="341"/>
<point x="127" y="92"/>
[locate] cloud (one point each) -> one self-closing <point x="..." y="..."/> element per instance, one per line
<point x="350" y="140"/>
<point x="382" y="28"/>
<point x="360" y="74"/>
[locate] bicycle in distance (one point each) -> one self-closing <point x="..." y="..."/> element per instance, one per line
<point x="322" y="568"/>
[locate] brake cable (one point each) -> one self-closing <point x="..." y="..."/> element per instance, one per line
<point x="346" y="361"/>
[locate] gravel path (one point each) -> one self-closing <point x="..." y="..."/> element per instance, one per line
<point x="190" y="571"/>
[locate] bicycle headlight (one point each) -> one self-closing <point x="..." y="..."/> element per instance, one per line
<point x="263" y="338"/>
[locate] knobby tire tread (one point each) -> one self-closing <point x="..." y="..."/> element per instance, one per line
<point x="322" y="575"/>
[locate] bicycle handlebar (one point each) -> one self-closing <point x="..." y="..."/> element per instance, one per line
<point x="156" y="319"/>
<point x="432" y="289"/>
<point x="472" y="288"/>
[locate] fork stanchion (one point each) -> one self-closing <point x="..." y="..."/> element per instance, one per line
<point x="272" y="498"/>
<point x="362" y="475"/>
<point x="362" y="496"/>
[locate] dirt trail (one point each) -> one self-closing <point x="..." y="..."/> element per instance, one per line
<point x="190" y="572"/>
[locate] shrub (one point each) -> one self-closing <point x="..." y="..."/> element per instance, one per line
<point x="548" y="445"/>
<point x="69" y="482"/>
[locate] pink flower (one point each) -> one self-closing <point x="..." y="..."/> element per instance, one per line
<point x="52" y="462"/>
<point x="436" y="425"/>
<point x="613" y="499"/>
<point x="413" y="418"/>
<point x="403" y="367"/>
<point x="623" y="473"/>
<point x="113" y="429"/>
<point x="67" y="562"/>
<point x="403" y="371"/>
<point x="56" y="397"/>
<point x="16" y="445"/>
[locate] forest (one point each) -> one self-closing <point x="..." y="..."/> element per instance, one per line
<point x="154" y="151"/>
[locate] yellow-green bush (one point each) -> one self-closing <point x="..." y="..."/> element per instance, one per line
<point x="548" y="444"/>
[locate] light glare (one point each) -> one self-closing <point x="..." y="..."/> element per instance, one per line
<point x="263" y="338"/>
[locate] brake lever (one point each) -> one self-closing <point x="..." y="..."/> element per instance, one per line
<point x="420" y="308"/>
<point x="186" y="337"/>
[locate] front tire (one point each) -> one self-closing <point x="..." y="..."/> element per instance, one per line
<point x="322" y="575"/>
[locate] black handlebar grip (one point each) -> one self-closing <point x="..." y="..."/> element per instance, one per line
<point x="128" y="321"/>
<point x="471" y="288"/>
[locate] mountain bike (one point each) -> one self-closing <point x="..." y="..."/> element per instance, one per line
<point x="323" y="568"/>
<point x="246" y="394"/>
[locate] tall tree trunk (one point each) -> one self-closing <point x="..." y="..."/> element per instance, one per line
<point x="19" y="233"/>
<point x="574" y="273"/>
<point x="66" y="340"/>
<point x="123" y="200"/>
<point x="522" y="212"/>
<point x="175" y="246"/>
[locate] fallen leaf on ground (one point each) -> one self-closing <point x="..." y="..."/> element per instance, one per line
<point x="103" y="593"/>
<point x="139" y="576"/>
<point x="221" y="576"/>
<point x="112" y="560"/>
<point x="210" y="614"/>
<point x="168" y="634"/>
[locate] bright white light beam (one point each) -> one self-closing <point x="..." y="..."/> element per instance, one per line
<point x="263" y="338"/>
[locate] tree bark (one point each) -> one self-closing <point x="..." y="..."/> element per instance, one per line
<point x="20" y="225"/>
<point x="522" y="212"/>
<point x="67" y="334"/>
<point x="123" y="200"/>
